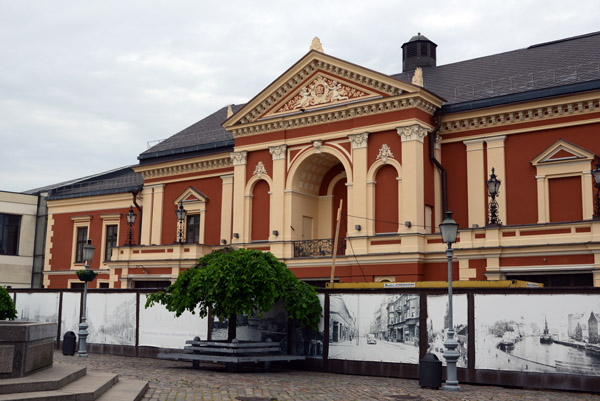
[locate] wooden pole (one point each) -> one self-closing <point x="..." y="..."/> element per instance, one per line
<point x="335" y="242"/>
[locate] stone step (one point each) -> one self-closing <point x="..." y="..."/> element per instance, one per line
<point x="52" y="378"/>
<point x="126" y="390"/>
<point x="88" y="388"/>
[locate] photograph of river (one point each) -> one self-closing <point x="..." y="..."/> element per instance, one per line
<point x="538" y="333"/>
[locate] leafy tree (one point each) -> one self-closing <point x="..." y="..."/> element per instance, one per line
<point x="229" y="282"/>
<point x="7" y="306"/>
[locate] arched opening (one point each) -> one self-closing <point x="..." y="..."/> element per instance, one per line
<point x="260" y="211"/>
<point x="317" y="186"/>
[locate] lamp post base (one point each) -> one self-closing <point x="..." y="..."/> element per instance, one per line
<point x="451" y="355"/>
<point x="83" y="333"/>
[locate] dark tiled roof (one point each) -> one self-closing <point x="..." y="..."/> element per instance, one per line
<point x="202" y="135"/>
<point x="546" y="65"/>
<point x="120" y="180"/>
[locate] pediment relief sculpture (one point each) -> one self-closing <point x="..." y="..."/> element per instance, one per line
<point x="322" y="90"/>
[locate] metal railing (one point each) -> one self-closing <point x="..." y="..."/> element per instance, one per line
<point x="318" y="247"/>
<point x="534" y="80"/>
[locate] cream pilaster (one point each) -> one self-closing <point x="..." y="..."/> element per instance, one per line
<point x="153" y="196"/>
<point x="359" y="190"/>
<point x="277" y="208"/>
<point x="476" y="182"/>
<point x="496" y="159"/>
<point x="226" y="206"/>
<point x="588" y="195"/>
<point x="412" y="196"/>
<point x="541" y="198"/>
<point x="239" y="184"/>
<point x="464" y="271"/>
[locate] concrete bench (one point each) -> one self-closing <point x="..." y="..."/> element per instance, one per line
<point x="232" y="354"/>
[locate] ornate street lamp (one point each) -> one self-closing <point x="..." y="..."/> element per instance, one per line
<point x="493" y="185"/>
<point x="181" y="213"/>
<point x="596" y="174"/>
<point x="130" y="220"/>
<point x="88" y="254"/>
<point x="449" y="228"/>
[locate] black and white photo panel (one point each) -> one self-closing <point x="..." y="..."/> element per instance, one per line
<point x="538" y="333"/>
<point x="374" y="327"/>
<point x="438" y="323"/>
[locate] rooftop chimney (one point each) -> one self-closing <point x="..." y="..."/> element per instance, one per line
<point x="418" y="52"/>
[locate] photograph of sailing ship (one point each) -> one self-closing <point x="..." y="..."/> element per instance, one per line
<point x="438" y="322"/>
<point x="538" y="333"/>
<point x="382" y="328"/>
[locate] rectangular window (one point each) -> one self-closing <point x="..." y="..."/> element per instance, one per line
<point x="193" y="229"/>
<point x="9" y="234"/>
<point x="82" y="233"/>
<point x="111" y="240"/>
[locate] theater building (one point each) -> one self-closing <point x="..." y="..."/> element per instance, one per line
<point x="393" y="151"/>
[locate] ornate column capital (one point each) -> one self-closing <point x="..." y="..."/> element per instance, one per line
<point x="239" y="158"/>
<point x="359" y="141"/>
<point x="413" y="132"/>
<point x="278" y="152"/>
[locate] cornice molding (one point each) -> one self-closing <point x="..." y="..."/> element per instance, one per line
<point x="185" y="168"/>
<point x="522" y="114"/>
<point x="329" y="115"/>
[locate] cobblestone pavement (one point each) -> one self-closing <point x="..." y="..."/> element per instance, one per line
<point x="177" y="381"/>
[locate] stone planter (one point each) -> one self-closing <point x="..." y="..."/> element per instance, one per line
<point x="25" y="347"/>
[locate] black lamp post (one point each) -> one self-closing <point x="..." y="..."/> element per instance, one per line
<point x="130" y="220"/>
<point x="88" y="254"/>
<point x="493" y="185"/>
<point x="181" y="213"/>
<point x="596" y="174"/>
<point x="449" y="228"/>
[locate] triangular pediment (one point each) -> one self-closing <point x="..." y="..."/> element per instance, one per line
<point x="561" y="152"/>
<point x="319" y="81"/>
<point x="191" y="196"/>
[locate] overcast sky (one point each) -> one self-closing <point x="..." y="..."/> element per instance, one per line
<point x="85" y="85"/>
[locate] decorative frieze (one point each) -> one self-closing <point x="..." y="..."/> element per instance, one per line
<point x="186" y="168"/>
<point x="413" y="132"/>
<point x="384" y="153"/>
<point x="278" y="152"/>
<point x="359" y="141"/>
<point x="325" y="117"/>
<point x="260" y="170"/>
<point x="520" y="116"/>
<point x="317" y="145"/>
<point x="239" y="158"/>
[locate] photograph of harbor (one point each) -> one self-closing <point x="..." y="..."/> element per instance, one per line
<point x="538" y="333"/>
<point x="438" y="324"/>
<point x="382" y="328"/>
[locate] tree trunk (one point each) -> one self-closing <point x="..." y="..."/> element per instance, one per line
<point x="231" y="328"/>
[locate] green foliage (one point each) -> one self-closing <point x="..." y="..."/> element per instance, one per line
<point x="240" y="281"/>
<point x="7" y="306"/>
